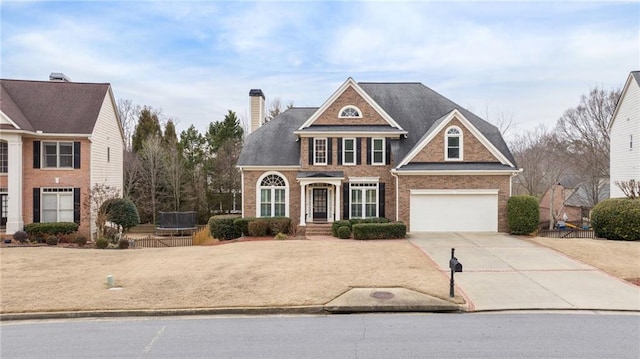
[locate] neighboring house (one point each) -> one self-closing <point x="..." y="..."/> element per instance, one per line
<point x="395" y="150"/>
<point x="573" y="199"/>
<point x="58" y="139"/>
<point x="624" y="135"/>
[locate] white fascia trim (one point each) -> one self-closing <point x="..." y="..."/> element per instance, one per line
<point x="268" y="168"/>
<point x="31" y="134"/>
<point x="488" y="191"/>
<point x="622" y="96"/>
<point x="349" y="134"/>
<point x="457" y="173"/>
<point x="8" y="120"/>
<point x="350" y="83"/>
<point x="363" y="179"/>
<point x="336" y="181"/>
<point x="457" y="114"/>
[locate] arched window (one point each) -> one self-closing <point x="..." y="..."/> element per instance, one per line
<point x="273" y="193"/>
<point x="350" y="112"/>
<point x="453" y="144"/>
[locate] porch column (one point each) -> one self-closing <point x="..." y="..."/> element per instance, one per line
<point x="303" y="207"/>
<point x="337" y="203"/>
<point x="14" y="179"/>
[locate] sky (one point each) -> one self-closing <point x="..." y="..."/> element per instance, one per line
<point x="195" y="60"/>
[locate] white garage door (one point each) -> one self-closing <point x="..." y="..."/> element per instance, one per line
<point x="454" y="210"/>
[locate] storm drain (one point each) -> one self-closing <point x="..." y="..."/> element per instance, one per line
<point x="382" y="295"/>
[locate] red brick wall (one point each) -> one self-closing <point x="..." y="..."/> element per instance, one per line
<point x="350" y="97"/>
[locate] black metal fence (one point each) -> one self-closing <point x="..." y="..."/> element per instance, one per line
<point x="566" y="233"/>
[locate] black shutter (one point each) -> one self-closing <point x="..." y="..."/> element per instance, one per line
<point x="381" y="200"/>
<point x="329" y="151"/>
<point x="36" y="154"/>
<point x="345" y="201"/>
<point x="76" y="205"/>
<point x="310" y="150"/>
<point x="387" y="151"/>
<point x="369" y="148"/>
<point x="358" y="150"/>
<point x="76" y="154"/>
<point x="36" y="205"/>
<point x="339" y="140"/>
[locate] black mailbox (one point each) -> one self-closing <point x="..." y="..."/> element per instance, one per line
<point x="455" y="265"/>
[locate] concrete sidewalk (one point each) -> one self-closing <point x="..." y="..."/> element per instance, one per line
<point x="501" y="272"/>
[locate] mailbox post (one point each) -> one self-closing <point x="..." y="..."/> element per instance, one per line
<point x="455" y="266"/>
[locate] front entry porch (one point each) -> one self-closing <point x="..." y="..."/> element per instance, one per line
<point x="320" y="196"/>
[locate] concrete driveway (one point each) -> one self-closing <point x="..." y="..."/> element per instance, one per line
<point x="501" y="272"/>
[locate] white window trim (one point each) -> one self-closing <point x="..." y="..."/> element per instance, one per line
<point x="355" y="149"/>
<point x="58" y="191"/>
<point x="373" y="160"/>
<point x="57" y="166"/>
<point x="347" y="107"/>
<point x="315" y="151"/>
<point x="363" y="187"/>
<point x="460" y="144"/>
<point x="4" y="156"/>
<point x="286" y="193"/>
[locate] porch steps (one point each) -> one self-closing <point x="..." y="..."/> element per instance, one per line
<point x="318" y="229"/>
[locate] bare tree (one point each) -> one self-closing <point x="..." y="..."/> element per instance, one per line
<point x="129" y="114"/>
<point x="93" y="203"/>
<point x="275" y="108"/>
<point x="175" y="174"/>
<point x="131" y="171"/>
<point x="630" y="188"/>
<point x="152" y="166"/>
<point x="502" y="120"/>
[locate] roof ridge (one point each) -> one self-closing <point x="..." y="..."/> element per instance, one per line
<point x="58" y="82"/>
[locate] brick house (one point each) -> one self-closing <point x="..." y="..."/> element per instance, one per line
<point x="395" y="150"/>
<point x="59" y="138"/>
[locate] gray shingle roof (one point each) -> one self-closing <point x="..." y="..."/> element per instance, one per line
<point x="52" y="106"/>
<point x="414" y="106"/>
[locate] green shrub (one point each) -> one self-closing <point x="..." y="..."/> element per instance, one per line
<point x="280" y="236"/>
<point x="258" y="228"/>
<point x="123" y="244"/>
<point x="279" y="225"/>
<point x="50" y="228"/>
<point x="21" y="236"/>
<point x="344" y="232"/>
<point x="337" y="224"/>
<point x="369" y="220"/>
<point x="617" y="219"/>
<point x="80" y="241"/>
<point x="379" y="230"/>
<point x="52" y="240"/>
<point x="102" y="243"/>
<point x="242" y="224"/>
<point x="523" y="214"/>
<point x="122" y="212"/>
<point x="222" y="228"/>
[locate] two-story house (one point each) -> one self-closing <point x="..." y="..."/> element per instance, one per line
<point x="624" y="130"/>
<point x="58" y="139"/>
<point x="395" y="150"/>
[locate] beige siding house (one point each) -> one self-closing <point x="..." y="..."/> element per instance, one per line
<point x="59" y="138"/>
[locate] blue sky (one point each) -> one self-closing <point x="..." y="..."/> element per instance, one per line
<point x="197" y="59"/>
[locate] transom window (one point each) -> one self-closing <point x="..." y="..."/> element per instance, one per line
<point x="4" y="157"/>
<point x="350" y="112"/>
<point x="273" y="193"/>
<point x="349" y="151"/>
<point x="453" y="144"/>
<point x="377" y="151"/>
<point x="57" y="205"/>
<point x="320" y="151"/>
<point x="364" y="200"/>
<point x="58" y="154"/>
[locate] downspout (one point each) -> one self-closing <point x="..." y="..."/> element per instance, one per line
<point x="242" y="191"/>
<point x="393" y="173"/>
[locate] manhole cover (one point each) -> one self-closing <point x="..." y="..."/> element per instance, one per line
<point x="382" y="295"/>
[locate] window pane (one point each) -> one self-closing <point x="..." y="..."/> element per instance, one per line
<point x="65" y="201"/>
<point x="66" y="148"/>
<point x="356" y="203"/>
<point x="348" y="145"/>
<point x="453" y="141"/>
<point x="453" y="153"/>
<point x="377" y="144"/>
<point x="4" y="157"/>
<point x="50" y="154"/>
<point x="279" y="210"/>
<point x="320" y="150"/>
<point x="348" y="157"/>
<point x="377" y="157"/>
<point x="265" y="203"/>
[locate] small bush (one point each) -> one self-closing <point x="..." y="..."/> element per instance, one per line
<point x="280" y="236"/>
<point x="279" y="225"/>
<point x="617" y="219"/>
<point x="523" y="214"/>
<point x="242" y="224"/>
<point x="390" y="230"/>
<point x="21" y="236"/>
<point x="123" y="244"/>
<point x="222" y="227"/>
<point x="52" y="240"/>
<point x="344" y="232"/>
<point x="50" y="228"/>
<point x="337" y="224"/>
<point x="369" y="220"/>
<point x="102" y="243"/>
<point x="80" y="240"/>
<point x="258" y="228"/>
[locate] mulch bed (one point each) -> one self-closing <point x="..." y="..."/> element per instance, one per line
<point x="635" y="281"/>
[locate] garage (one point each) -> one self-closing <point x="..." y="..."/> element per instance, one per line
<point x="453" y="210"/>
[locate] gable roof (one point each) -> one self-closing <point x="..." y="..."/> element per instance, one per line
<point x="416" y="109"/>
<point x="52" y="106"/>
<point x="634" y="77"/>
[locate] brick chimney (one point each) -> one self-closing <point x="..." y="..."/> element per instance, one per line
<point x="256" y="109"/>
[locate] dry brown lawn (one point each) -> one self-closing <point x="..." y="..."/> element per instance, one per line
<point x="619" y="258"/>
<point x="260" y="273"/>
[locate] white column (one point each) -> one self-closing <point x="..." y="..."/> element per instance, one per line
<point x="337" y="202"/>
<point x="303" y="207"/>
<point x="14" y="179"/>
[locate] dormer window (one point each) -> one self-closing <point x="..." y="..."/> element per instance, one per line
<point x="350" y="112"/>
<point x="453" y="144"/>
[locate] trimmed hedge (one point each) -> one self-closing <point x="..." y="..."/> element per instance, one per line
<point x="369" y="220"/>
<point x="51" y="228"/>
<point x="523" y="214"/>
<point x="102" y="243"/>
<point x="617" y="219"/>
<point x="258" y="228"/>
<point x="379" y="230"/>
<point x="222" y="228"/>
<point x="274" y="225"/>
<point x="335" y="226"/>
<point x="344" y="232"/>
